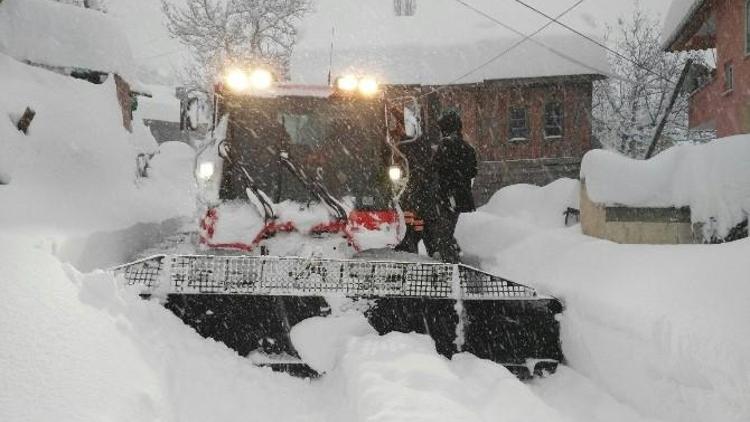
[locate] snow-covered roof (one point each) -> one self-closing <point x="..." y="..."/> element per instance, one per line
<point x="163" y="105"/>
<point x="62" y="35"/>
<point x="439" y="44"/>
<point x="679" y="14"/>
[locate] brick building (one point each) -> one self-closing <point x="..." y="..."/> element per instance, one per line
<point x="527" y="111"/>
<point x="722" y="101"/>
<point x="525" y="130"/>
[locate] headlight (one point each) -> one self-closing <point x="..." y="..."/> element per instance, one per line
<point x="261" y="79"/>
<point x="237" y="80"/>
<point x="347" y="83"/>
<point x="367" y="86"/>
<point x="205" y="170"/>
<point x="394" y="173"/>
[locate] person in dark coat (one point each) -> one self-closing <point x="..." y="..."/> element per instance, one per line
<point x="454" y="166"/>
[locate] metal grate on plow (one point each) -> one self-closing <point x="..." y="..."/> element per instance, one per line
<point x="264" y="275"/>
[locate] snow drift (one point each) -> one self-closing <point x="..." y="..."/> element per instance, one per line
<point x="709" y="178"/>
<point x="659" y="327"/>
<point x="84" y="347"/>
<point x="76" y="170"/>
<point x="80" y="347"/>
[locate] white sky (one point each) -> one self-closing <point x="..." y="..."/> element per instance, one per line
<point x="152" y="46"/>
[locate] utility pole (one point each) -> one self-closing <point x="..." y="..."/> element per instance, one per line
<point x="668" y="111"/>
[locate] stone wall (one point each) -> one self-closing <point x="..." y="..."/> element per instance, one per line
<point x="494" y="175"/>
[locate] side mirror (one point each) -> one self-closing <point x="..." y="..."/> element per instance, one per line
<point x="405" y="120"/>
<point x="412" y="121"/>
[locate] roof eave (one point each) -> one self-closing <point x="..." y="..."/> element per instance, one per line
<point x="678" y="38"/>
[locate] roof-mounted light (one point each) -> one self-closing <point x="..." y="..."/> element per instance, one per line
<point x="261" y="79"/>
<point x="366" y="86"/>
<point x="347" y="83"/>
<point x="237" y="80"/>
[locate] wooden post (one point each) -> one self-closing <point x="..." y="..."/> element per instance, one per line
<point x="663" y="122"/>
<point x="25" y="121"/>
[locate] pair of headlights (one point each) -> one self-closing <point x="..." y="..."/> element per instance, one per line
<point x="239" y="80"/>
<point x="366" y="85"/>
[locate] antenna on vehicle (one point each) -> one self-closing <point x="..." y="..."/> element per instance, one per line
<point x="330" y="56"/>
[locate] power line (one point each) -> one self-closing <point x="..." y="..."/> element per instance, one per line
<point x="541" y="44"/>
<point x="599" y="43"/>
<point x="512" y="47"/>
<point x="526" y="37"/>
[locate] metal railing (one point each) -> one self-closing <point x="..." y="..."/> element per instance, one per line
<point x="263" y="275"/>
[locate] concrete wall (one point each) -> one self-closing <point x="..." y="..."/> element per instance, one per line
<point x="635" y="225"/>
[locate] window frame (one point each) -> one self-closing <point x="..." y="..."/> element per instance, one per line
<point x="728" y="77"/>
<point x="561" y="119"/>
<point x="511" y="133"/>
<point x="404" y="7"/>
<point x="747" y="27"/>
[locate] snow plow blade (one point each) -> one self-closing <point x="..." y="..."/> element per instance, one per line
<point x="251" y="302"/>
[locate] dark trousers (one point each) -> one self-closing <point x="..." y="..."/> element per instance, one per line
<point x="438" y="235"/>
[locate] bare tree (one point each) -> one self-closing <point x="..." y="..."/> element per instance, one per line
<point x="629" y="106"/>
<point x="235" y="31"/>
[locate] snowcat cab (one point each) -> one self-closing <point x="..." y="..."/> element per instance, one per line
<point x="331" y="147"/>
<point x="306" y="147"/>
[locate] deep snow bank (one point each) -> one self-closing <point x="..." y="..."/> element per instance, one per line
<point x="78" y="347"/>
<point x="76" y="169"/>
<point x="709" y="178"/>
<point x="513" y="214"/>
<point x="660" y="327"/>
<point x="400" y="377"/>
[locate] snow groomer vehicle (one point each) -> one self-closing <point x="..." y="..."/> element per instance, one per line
<point x="330" y="152"/>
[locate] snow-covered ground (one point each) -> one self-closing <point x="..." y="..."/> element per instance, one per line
<point x="658" y="327"/>
<point x="650" y="333"/>
<point x="644" y="337"/>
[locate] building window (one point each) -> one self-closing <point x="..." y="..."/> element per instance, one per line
<point x="519" y="124"/>
<point x="404" y="7"/>
<point x="728" y="77"/>
<point x="553" y="120"/>
<point x="747" y="27"/>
